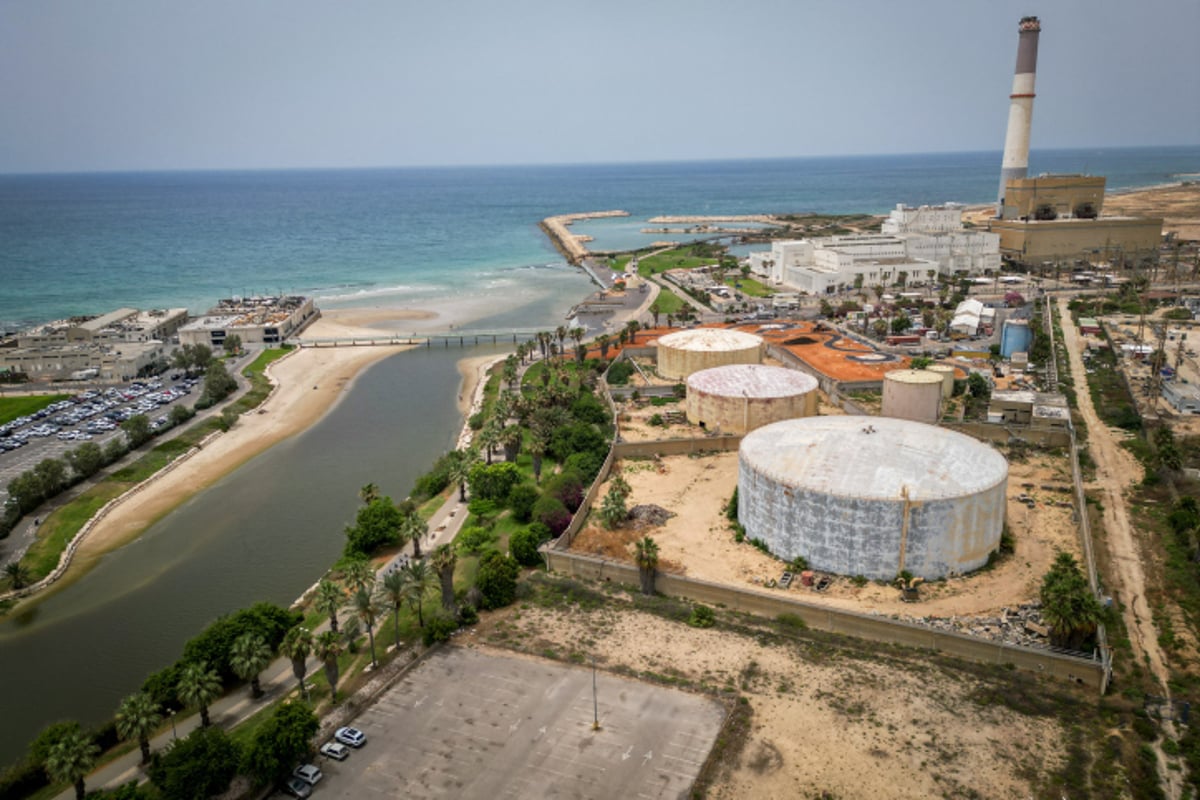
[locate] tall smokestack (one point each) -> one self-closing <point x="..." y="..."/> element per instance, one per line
<point x="1020" y="109"/>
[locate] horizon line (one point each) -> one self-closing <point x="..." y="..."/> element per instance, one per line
<point x="559" y="164"/>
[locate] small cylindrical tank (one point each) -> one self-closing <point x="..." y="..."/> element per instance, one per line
<point x="914" y="394"/>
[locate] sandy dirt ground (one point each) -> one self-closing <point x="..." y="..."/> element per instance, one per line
<point x="1178" y="205"/>
<point x="1116" y="471"/>
<point x="823" y="725"/>
<point x="697" y="540"/>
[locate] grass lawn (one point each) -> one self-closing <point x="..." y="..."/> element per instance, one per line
<point x="13" y="407"/>
<point x="750" y="287"/>
<point x="673" y="259"/>
<point x="669" y="303"/>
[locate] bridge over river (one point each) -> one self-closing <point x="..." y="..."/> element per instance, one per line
<point x="466" y="338"/>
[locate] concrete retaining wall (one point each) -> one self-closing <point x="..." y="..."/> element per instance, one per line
<point x="1065" y="666"/>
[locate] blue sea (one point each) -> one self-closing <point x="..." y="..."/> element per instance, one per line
<point x="89" y="243"/>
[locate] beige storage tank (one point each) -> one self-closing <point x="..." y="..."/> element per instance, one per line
<point x="741" y="397"/>
<point x="684" y="352"/>
<point x="914" y="394"/>
<point x="947" y="372"/>
<point x="872" y="496"/>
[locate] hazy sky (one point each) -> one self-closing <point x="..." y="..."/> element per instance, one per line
<point x="160" y="84"/>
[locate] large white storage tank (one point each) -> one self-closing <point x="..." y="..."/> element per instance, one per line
<point x="684" y="352"/>
<point x="872" y="496"/>
<point x="947" y="372"/>
<point x="742" y="397"/>
<point x="914" y="394"/>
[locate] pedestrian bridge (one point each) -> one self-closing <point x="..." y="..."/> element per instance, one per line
<point x="459" y="338"/>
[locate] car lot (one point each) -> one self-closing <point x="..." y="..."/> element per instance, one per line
<point x="469" y="724"/>
<point x="93" y="415"/>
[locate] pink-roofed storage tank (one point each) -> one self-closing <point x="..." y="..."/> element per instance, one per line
<point x="741" y="397"/>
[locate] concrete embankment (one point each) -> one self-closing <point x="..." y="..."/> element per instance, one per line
<point x="569" y="244"/>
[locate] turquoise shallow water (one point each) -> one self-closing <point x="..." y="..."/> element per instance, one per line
<point x="73" y="244"/>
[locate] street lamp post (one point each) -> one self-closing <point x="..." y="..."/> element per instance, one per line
<point x="595" y="704"/>
<point x="174" y="735"/>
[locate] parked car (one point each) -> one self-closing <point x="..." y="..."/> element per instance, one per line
<point x="351" y="736"/>
<point x="297" y="788"/>
<point x="335" y="750"/>
<point x="309" y="773"/>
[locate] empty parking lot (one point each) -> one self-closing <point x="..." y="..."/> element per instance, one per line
<point x="471" y="724"/>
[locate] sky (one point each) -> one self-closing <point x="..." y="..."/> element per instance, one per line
<point x="255" y="84"/>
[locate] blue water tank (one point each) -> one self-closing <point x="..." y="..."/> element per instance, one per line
<point x="1015" y="337"/>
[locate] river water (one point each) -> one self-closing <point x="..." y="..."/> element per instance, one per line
<point x="265" y="532"/>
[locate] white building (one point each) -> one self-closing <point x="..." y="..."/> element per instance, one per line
<point x="916" y="246"/>
<point x="256" y="320"/>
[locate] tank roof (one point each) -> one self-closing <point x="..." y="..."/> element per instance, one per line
<point x="913" y="376"/>
<point x="873" y="458"/>
<point x="752" y="380"/>
<point x="710" y="339"/>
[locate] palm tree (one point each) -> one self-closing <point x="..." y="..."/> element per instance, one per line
<point x="393" y="593"/>
<point x="646" y="557"/>
<point x="1068" y="606"/>
<point x="461" y="464"/>
<point x="366" y="610"/>
<point x="604" y="340"/>
<point x="248" y="656"/>
<point x="577" y="337"/>
<point x="368" y="493"/>
<point x="656" y="308"/>
<point x="560" y="333"/>
<point x="328" y="647"/>
<point x="537" y="448"/>
<point x="297" y="645"/>
<point x="413" y="529"/>
<point x="137" y="718"/>
<point x="443" y="562"/>
<point x="71" y="758"/>
<point x="489" y="437"/>
<point x="418" y="581"/>
<point x="360" y="575"/>
<point x="511" y="438"/>
<point x="18" y="575"/>
<point x="328" y="600"/>
<point x="198" y="686"/>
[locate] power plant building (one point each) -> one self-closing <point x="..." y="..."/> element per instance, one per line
<point x="872" y="496"/>
<point x="740" y="398"/>
<point x="682" y="353"/>
<point x="1055" y="217"/>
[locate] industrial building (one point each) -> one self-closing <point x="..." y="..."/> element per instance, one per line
<point x="256" y="320"/>
<point x="1183" y="397"/>
<point x="114" y="346"/>
<point x="740" y="398"/>
<point x="913" y="394"/>
<point x="872" y="496"/>
<point x="918" y="247"/>
<point x="684" y="352"/>
<point x="1037" y="410"/>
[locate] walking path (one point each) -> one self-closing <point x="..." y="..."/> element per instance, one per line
<point x="1116" y="471"/>
<point x="277" y="679"/>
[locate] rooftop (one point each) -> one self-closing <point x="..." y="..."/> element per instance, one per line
<point x="752" y="380"/>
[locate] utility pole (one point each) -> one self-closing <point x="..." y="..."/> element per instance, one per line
<point x="595" y="702"/>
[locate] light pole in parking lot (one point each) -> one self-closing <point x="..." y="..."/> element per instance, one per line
<point x="595" y="705"/>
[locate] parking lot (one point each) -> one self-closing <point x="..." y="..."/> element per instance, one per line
<point x="90" y="416"/>
<point x="469" y="724"/>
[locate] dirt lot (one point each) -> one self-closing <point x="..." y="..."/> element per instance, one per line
<point x="697" y="540"/>
<point x="819" y="719"/>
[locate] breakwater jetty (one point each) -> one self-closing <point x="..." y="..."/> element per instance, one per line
<point x="569" y="244"/>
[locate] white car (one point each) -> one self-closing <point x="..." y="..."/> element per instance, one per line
<point x="335" y="750"/>
<point x="309" y="773"/>
<point x="351" y="736"/>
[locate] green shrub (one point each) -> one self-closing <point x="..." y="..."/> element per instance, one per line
<point x="551" y="512"/>
<point x="473" y="540"/>
<point x="201" y="764"/>
<point x="438" y="629"/>
<point x="521" y="500"/>
<point x="467" y="615"/>
<point x="524" y="547"/>
<point x="702" y="617"/>
<point x="619" y="372"/>
<point x="793" y="621"/>
<point x="497" y="580"/>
